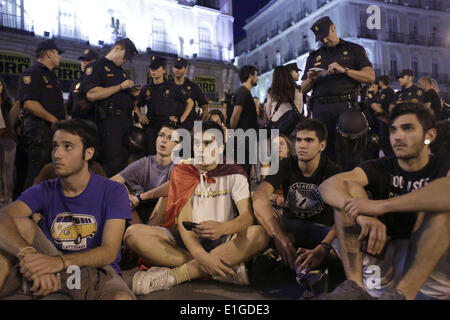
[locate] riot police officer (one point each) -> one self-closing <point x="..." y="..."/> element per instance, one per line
<point x="334" y="73"/>
<point x="42" y="99"/>
<point x="409" y="91"/>
<point x="192" y="89"/>
<point x="165" y="102"/>
<point x="77" y="104"/>
<point x="386" y="97"/>
<point x="114" y="95"/>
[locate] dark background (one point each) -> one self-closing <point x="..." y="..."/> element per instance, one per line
<point x="242" y="10"/>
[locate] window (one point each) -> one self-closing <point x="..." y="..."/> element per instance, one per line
<point x="159" y="36"/>
<point x="392" y="24"/>
<point x="415" y="66"/>
<point x="435" y="70"/>
<point x="10" y="15"/>
<point x="205" y="45"/>
<point x="393" y="64"/>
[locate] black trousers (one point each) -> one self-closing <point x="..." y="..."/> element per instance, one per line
<point x="113" y="155"/>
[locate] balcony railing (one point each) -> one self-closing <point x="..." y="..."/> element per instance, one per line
<point x="14" y="22"/>
<point x="427" y="5"/>
<point x="367" y="33"/>
<point x="414" y="38"/>
<point x="395" y="37"/>
<point x="163" y="46"/>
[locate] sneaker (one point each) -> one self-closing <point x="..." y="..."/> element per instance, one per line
<point x="240" y="279"/>
<point x="154" y="279"/>
<point x="392" y="295"/>
<point x="347" y="290"/>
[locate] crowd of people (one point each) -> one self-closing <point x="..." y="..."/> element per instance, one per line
<point x="362" y="181"/>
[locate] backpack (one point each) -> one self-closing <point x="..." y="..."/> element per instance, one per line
<point x="287" y="122"/>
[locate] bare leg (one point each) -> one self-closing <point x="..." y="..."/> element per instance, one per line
<point x="5" y="268"/>
<point x="155" y="246"/>
<point x="428" y="245"/>
<point x="348" y="232"/>
<point x="117" y="295"/>
<point x="240" y="249"/>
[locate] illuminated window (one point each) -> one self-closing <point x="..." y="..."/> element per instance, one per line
<point x="10" y="14"/>
<point x="159" y="36"/>
<point x="205" y="43"/>
<point x="66" y="20"/>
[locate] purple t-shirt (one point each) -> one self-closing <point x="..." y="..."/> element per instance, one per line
<point x="147" y="173"/>
<point x="76" y="224"/>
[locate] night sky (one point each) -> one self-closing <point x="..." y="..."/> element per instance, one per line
<point x="242" y="10"/>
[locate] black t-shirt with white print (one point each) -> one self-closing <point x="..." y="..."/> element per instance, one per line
<point x="303" y="199"/>
<point x="387" y="180"/>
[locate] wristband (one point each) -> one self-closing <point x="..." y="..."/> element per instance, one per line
<point x="21" y="253"/>
<point x="139" y="198"/>
<point x="326" y="246"/>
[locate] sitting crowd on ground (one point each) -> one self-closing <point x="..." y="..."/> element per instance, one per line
<point x="200" y="218"/>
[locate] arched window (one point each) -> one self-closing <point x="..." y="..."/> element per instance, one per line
<point x="205" y="44"/>
<point x="159" y="36"/>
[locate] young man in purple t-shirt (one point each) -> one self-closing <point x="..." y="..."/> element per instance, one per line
<point x="84" y="222"/>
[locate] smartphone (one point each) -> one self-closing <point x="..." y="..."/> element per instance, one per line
<point x="365" y="244"/>
<point x="189" y="225"/>
<point x="316" y="69"/>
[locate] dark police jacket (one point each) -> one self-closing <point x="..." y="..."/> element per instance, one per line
<point x="40" y="84"/>
<point x="411" y="93"/>
<point x="347" y="54"/>
<point x="163" y="101"/>
<point x="105" y="73"/>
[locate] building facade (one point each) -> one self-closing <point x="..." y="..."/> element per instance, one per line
<point x="199" y="30"/>
<point x="414" y="34"/>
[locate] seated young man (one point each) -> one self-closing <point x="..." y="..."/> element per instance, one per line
<point x="84" y="222"/>
<point x="303" y="233"/>
<point x="203" y="193"/>
<point x="152" y="174"/>
<point x="395" y="178"/>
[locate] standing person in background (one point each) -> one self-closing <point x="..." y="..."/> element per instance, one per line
<point x="284" y="95"/>
<point x="114" y="95"/>
<point x="244" y="112"/>
<point x="42" y="99"/>
<point x="431" y="98"/>
<point x="78" y="106"/>
<point x="7" y="147"/>
<point x="191" y="89"/>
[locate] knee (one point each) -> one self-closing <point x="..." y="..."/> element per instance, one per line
<point x="26" y="228"/>
<point x="258" y="236"/>
<point x="132" y="234"/>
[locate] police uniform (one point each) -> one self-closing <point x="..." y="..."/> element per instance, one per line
<point x="162" y="101"/>
<point x="194" y="92"/>
<point x="386" y="98"/>
<point x="332" y="94"/>
<point x="40" y="84"/>
<point x="77" y="104"/>
<point x="113" y="115"/>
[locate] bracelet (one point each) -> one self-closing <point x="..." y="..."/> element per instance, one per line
<point x="21" y="253"/>
<point x="326" y="246"/>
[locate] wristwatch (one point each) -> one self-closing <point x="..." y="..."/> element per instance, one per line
<point x="326" y="246"/>
<point x="139" y="198"/>
<point x="346" y="70"/>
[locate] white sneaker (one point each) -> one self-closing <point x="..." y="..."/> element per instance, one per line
<point x="240" y="279"/>
<point x="154" y="279"/>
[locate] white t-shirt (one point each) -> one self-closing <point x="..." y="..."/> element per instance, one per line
<point x="214" y="201"/>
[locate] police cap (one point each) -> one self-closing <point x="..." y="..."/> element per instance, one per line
<point x="48" y="44"/>
<point x="406" y="72"/>
<point x="321" y="27"/>
<point x="88" y="55"/>
<point x="157" y="61"/>
<point x="130" y="48"/>
<point x="181" y="63"/>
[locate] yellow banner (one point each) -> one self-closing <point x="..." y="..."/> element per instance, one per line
<point x="209" y="87"/>
<point x="68" y="70"/>
<point x="12" y="63"/>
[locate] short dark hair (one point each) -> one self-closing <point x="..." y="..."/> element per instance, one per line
<point x="246" y="72"/>
<point x="170" y="125"/>
<point x="87" y="131"/>
<point x="206" y="125"/>
<point x="313" y="125"/>
<point x="424" y="116"/>
<point x="385" y="79"/>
